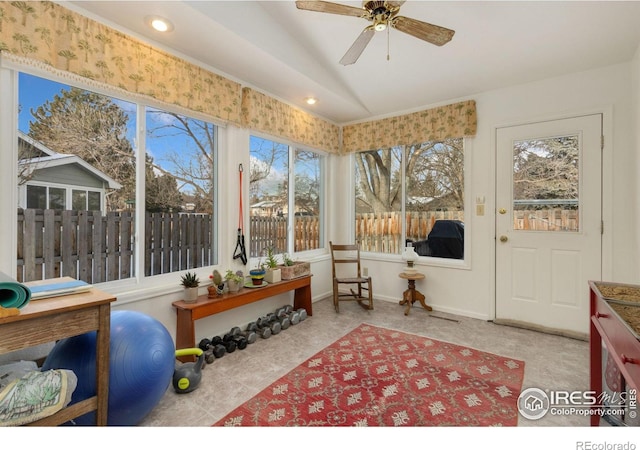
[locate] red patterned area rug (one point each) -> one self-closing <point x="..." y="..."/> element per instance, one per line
<point x="380" y="377"/>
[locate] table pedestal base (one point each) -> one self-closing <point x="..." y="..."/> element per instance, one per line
<point x="410" y="296"/>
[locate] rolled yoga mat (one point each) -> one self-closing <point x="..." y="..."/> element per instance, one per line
<point x="12" y="293"/>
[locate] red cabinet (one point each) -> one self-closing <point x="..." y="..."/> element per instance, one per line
<point x="615" y="324"/>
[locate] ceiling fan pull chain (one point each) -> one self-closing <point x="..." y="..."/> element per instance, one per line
<point x="388" y="51"/>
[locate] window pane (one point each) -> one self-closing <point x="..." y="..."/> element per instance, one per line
<point x="179" y="193"/>
<point x="36" y="197"/>
<point x="94" y="201"/>
<point x="56" y="119"/>
<point x="269" y="197"/>
<point x="307" y="190"/>
<point x="57" y="198"/>
<point x="78" y="200"/>
<point x="434" y="203"/>
<point x="378" y="200"/>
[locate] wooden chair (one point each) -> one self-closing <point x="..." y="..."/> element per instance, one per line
<point x="349" y="255"/>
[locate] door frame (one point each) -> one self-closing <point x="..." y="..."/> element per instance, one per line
<point x="606" y="176"/>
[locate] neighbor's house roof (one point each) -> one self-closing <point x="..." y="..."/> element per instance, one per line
<point x="51" y="159"/>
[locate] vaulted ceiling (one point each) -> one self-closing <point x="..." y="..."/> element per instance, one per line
<point x="293" y="54"/>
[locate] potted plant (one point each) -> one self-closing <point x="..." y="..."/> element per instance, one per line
<point x="190" y="281"/>
<point x="234" y="280"/>
<point x="273" y="273"/>
<point x="257" y="274"/>
<point x="217" y="287"/>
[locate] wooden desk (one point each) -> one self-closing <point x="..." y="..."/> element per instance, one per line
<point x="620" y="338"/>
<point x="51" y="319"/>
<point x="188" y="313"/>
<point x="411" y="294"/>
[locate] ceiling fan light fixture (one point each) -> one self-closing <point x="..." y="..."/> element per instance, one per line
<point x="159" y="23"/>
<point x="380" y="26"/>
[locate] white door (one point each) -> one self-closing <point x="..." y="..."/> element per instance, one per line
<point x="548" y="222"/>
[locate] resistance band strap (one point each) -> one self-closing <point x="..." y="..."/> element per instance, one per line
<point x="240" y="251"/>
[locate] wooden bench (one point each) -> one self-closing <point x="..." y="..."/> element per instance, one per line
<point x="188" y="313"/>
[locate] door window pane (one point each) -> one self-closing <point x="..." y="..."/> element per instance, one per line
<point x="546" y="184"/>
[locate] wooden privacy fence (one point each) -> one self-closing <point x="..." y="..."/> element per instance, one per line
<point x="382" y="232"/>
<point x="551" y="219"/>
<point x="94" y="248"/>
<point x="268" y="232"/>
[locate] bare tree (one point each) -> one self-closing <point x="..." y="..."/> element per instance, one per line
<point x="546" y="169"/>
<point x="94" y="128"/>
<point x="433" y="170"/>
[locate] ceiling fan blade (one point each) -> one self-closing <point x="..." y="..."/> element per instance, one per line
<point x="331" y="8"/>
<point x="358" y="46"/>
<point x="427" y="32"/>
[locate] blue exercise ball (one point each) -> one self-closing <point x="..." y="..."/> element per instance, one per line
<point x="141" y="360"/>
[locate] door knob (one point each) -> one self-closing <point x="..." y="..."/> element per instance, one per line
<point x="503" y="238"/>
<point x="502" y="211"/>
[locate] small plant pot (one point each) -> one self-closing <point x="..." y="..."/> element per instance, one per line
<point x="190" y="295"/>
<point x="233" y="286"/>
<point x="257" y="276"/>
<point x="273" y="276"/>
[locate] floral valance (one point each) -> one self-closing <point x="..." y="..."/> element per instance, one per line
<point x="269" y="115"/>
<point x="65" y="40"/>
<point x="456" y="120"/>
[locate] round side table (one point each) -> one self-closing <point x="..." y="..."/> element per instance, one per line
<point x="411" y="294"/>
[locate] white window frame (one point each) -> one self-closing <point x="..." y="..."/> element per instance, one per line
<point x="137" y="286"/>
<point x="291" y="148"/>
<point x="464" y="263"/>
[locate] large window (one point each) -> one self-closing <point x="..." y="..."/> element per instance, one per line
<point x="411" y="193"/>
<point x="286" y="198"/>
<point x="79" y="156"/>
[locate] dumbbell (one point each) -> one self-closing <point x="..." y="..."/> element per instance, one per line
<point x="287" y="311"/>
<point x="280" y="316"/>
<point x="218" y="347"/>
<point x="265" y="322"/>
<point x="302" y="313"/>
<point x="249" y="336"/>
<point x="207" y="348"/>
<point x="234" y="335"/>
<point x="262" y="331"/>
<point x="229" y="344"/>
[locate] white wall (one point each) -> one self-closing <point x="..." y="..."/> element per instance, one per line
<point x="470" y="291"/>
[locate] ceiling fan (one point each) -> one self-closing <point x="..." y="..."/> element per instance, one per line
<point x="382" y="14"/>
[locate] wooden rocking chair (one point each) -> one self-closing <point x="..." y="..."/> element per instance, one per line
<point x="350" y="255"/>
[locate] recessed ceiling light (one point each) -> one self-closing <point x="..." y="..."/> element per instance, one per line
<point x="311" y="100"/>
<point x="159" y="23"/>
